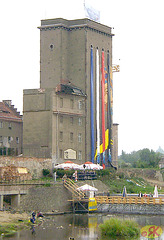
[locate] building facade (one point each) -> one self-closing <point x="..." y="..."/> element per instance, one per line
<point x="65" y="61"/>
<point x="11" y="129"/>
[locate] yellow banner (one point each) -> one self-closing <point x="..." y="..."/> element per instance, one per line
<point x="106" y="143"/>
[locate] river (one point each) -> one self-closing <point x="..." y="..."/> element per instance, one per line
<point x="79" y="226"/>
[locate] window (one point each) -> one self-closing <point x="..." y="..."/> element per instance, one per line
<point x="9" y="139"/>
<point x="1" y="139"/>
<point x="80" y="155"/>
<point x="1" y="124"/>
<point x="80" y="121"/>
<point x="61" y="136"/>
<point x="80" y="105"/>
<point x="61" y="102"/>
<point x="61" y="119"/>
<point x="61" y="153"/>
<point x="71" y="103"/>
<point x="71" y="136"/>
<point x="17" y="140"/>
<point x="79" y="137"/>
<point x="71" y="120"/>
<point x="9" y="125"/>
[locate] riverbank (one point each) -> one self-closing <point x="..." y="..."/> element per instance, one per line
<point x="12" y="222"/>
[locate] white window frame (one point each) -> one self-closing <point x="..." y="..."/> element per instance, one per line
<point x="80" y="104"/>
<point x="80" y="121"/>
<point x="80" y="155"/>
<point x="80" y="137"/>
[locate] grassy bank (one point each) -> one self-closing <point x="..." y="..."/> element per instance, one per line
<point x="13" y="222"/>
<point x="11" y="228"/>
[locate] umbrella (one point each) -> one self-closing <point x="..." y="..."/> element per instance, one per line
<point x="91" y="166"/>
<point x="155" y="191"/>
<point x="124" y="193"/>
<point x="87" y="187"/>
<point x="67" y="166"/>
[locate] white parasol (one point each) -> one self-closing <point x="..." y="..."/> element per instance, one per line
<point x="155" y="192"/>
<point x="91" y="166"/>
<point x="87" y="187"/>
<point x="124" y="193"/>
<point x="68" y="165"/>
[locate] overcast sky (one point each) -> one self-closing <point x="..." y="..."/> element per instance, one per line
<point x="138" y="47"/>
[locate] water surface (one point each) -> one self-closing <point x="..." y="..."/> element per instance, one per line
<point x="79" y="226"/>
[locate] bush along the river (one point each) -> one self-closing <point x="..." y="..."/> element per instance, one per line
<point x="114" y="228"/>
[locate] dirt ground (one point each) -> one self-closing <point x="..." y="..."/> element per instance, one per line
<point x="7" y="217"/>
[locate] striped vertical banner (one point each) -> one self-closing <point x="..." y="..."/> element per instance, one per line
<point x="103" y="106"/>
<point x="92" y="107"/>
<point x="109" y="110"/>
<point x="98" y="105"/>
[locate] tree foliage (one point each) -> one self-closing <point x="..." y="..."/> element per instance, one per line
<point x="144" y="158"/>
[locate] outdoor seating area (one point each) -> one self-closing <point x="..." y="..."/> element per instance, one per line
<point x="68" y="165"/>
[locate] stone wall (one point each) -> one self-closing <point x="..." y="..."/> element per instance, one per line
<point x="46" y="199"/>
<point x="34" y="165"/>
<point x="132" y="208"/>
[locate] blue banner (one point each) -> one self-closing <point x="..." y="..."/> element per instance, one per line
<point x="92" y="108"/>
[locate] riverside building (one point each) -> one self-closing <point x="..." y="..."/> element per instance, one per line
<point x="61" y="119"/>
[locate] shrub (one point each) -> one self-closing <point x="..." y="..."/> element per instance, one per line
<point x="60" y="173"/>
<point x="118" y="228"/>
<point x="46" y="172"/>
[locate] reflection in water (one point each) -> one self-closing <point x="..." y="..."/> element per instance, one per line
<point x="79" y="226"/>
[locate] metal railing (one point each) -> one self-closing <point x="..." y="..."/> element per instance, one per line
<point x="72" y="187"/>
<point x="128" y="200"/>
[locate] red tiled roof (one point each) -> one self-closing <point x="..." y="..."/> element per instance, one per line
<point x="9" y="113"/>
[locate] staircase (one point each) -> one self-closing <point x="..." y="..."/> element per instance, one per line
<point x="72" y="187"/>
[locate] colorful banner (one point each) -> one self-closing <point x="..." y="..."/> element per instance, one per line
<point x="109" y="108"/>
<point x="92" y="107"/>
<point x="98" y="106"/>
<point x="103" y="106"/>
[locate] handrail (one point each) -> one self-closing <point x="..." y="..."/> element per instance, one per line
<point x="129" y="200"/>
<point x="72" y="187"/>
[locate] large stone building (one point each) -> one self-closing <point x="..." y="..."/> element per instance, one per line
<point x="11" y="129"/>
<point x="57" y="116"/>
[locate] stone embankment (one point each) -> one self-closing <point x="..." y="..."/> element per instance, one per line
<point x="54" y="198"/>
